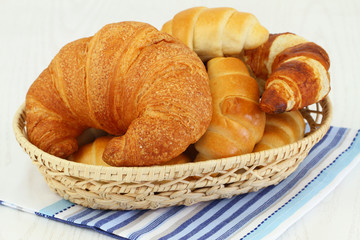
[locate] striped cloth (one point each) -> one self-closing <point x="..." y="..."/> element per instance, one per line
<point x="268" y="212"/>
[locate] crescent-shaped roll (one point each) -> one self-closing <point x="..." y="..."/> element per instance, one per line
<point x="237" y="123"/>
<point x="216" y="32"/>
<point x="281" y="129"/>
<point x="130" y="80"/>
<point x="294" y="69"/>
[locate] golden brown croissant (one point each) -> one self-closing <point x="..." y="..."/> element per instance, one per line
<point x="281" y="129"/>
<point x="295" y="71"/>
<point x="216" y="32"/>
<point x="91" y="153"/>
<point x="128" y="79"/>
<point x="237" y="123"/>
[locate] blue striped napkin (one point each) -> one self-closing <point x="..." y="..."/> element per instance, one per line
<point x="268" y="212"/>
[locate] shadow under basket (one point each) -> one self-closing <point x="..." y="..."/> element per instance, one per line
<point x="154" y="187"/>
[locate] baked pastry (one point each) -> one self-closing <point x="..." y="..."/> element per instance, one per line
<point x="91" y="153"/>
<point x="216" y="32"/>
<point x="129" y="80"/>
<point x="295" y="71"/>
<point x="182" y="158"/>
<point x="237" y="123"/>
<point x="281" y="129"/>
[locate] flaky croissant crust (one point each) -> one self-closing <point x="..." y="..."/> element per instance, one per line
<point x="129" y="79"/>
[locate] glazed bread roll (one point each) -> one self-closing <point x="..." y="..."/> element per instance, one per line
<point x="281" y="129"/>
<point x="294" y="69"/>
<point x="237" y="123"/>
<point x="129" y="80"/>
<point x="91" y="153"/>
<point x="216" y="32"/>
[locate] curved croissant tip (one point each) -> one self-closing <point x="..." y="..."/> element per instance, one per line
<point x="113" y="151"/>
<point x="271" y="102"/>
<point x="64" y="148"/>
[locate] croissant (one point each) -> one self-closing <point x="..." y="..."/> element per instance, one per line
<point x="237" y="123"/>
<point x="92" y="152"/>
<point x="216" y="32"/>
<point x="129" y="80"/>
<point x="295" y="71"/>
<point x="281" y="129"/>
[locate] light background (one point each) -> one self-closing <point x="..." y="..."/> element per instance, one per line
<point x="32" y="32"/>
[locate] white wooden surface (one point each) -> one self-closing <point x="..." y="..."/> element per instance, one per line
<point x="32" y="32"/>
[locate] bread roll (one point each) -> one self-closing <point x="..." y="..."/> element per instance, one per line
<point x="294" y="69"/>
<point x="281" y="129"/>
<point x="182" y="158"/>
<point x="216" y="32"/>
<point x="237" y="123"/>
<point x="91" y="153"/>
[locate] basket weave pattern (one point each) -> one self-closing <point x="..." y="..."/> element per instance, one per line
<point x="183" y="184"/>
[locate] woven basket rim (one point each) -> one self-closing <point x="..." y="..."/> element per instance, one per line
<point x="158" y="173"/>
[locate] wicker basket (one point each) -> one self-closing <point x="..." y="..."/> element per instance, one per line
<point x="183" y="184"/>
